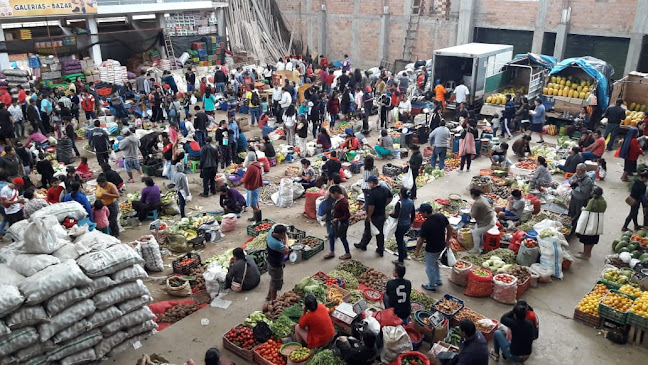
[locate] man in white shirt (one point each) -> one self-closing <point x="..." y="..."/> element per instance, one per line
<point x="404" y="109"/>
<point x="12" y="201"/>
<point x="280" y="66"/>
<point x="18" y="118"/>
<point x="286" y="100"/>
<point x="289" y="65"/>
<point x="461" y="92"/>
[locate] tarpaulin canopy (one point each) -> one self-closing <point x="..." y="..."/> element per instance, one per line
<point x="545" y="61"/>
<point x="598" y="69"/>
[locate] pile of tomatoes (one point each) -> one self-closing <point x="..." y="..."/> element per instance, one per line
<point x="242" y="337"/>
<point x="529" y="243"/>
<point x="504" y="278"/>
<point x="263" y="226"/>
<point x="419" y="217"/>
<point x="270" y="352"/>
<point x="331" y="282"/>
<point x="462" y="265"/>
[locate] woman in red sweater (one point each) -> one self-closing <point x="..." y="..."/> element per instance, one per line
<point x="316" y="318"/>
<point x="630" y="152"/>
<point x="252" y="181"/>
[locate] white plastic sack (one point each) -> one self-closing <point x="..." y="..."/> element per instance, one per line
<point x="81" y="357"/>
<point x="61" y="211"/>
<point x="53" y="280"/>
<point x="94" y="241"/>
<point x="135" y="303"/>
<point x="28" y="264"/>
<point x="372" y="325"/>
<point x="17" y="230"/>
<point x="389" y="229"/>
<point x="101" y="317"/>
<point x="285" y="193"/>
<point x="298" y="190"/>
<point x="544" y="274"/>
<point x="147" y="326"/>
<point x="4" y="329"/>
<point x="71" y="332"/>
<point x="395" y="342"/>
<point x="34" y="350"/>
<point x="374" y="230"/>
<point x="120" y="293"/>
<point x="107" y="344"/>
<point x="408" y="179"/>
<point x="10" y="299"/>
<point x="65" y="319"/>
<point x="590" y="223"/>
<point x="75" y="345"/>
<point x="66" y="252"/>
<point x="17" y="340"/>
<point x="129" y="320"/>
<point x="9" y="275"/>
<point x="100" y="284"/>
<point x="26" y="316"/>
<point x="109" y="260"/>
<point x="551" y="255"/>
<point x="60" y="301"/>
<point x="213" y="275"/>
<point x="132" y="273"/>
<point x="151" y="253"/>
<point x="126" y="345"/>
<point x="44" y="235"/>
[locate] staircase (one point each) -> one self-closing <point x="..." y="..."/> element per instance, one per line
<point x="412" y="28"/>
<point x="168" y="48"/>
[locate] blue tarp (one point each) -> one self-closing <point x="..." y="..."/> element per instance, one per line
<point x="547" y="62"/>
<point x="594" y="67"/>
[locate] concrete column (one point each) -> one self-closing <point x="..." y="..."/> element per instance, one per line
<point x="540" y="22"/>
<point x="95" y="50"/>
<point x="309" y="30"/>
<point x="465" y="23"/>
<point x="355" y="49"/>
<point x="562" y="30"/>
<point x="383" y="41"/>
<point x="322" y="45"/>
<point x="160" y="22"/>
<point x="220" y="15"/>
<point x="4" y="57"/>
<point x="639" y="28"/>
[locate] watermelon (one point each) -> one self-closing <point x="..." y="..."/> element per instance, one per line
<point x="636" y="254"/>
<point x="644" y="258"/>
<point x="641" y="233"/>
<point x="623" y="249"/>
<point x="632" y="247"/>
<point x="620" y="245"/>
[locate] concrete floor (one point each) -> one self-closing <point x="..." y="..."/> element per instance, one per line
<point x="562" y="340"/>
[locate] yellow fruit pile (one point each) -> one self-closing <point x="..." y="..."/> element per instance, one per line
<point x="590" y="303"/>
<point x="600" y="289"/>
<point x="568" y="87"/>
<point x="617" y="302"/>
<point x="497" y="99"/>
<point x="640" y="306"/>
<point x="632" y="118"/>
<point x="636" y="107"/>
<point x="630" y="290"/>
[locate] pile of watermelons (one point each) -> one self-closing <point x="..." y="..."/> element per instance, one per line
<point x="636" y="244"/>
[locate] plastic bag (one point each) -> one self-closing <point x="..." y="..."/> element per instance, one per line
<point x="151" y="253"/>
<point x="408" y="179"/>
<point x="460" y="276"/>
<point x="551" y="255"/>
<point x="53" y="280"/>
<point x="374" y="230"/>
<point x="214" y="275"/>
<point x="28" y="264"/>
<point x="504" y="292"/>
<point x="447" y="258"/>
<point x="109" y="260"/>
<point x="9" y="275"/>
<point x="44" y="235"/>
<point x="527" y="256"/>
<point x="389" y="229"/>
<point x="544" y="274"/>
<point x="395" y="342"/>
<point x="228" y="222"/>
<point x="590" y="223"/>
<point x="285" y="193"/>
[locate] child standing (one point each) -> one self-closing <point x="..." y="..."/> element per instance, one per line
<point x="264" y="105"/>
<point x="495" y="124"/>
<point x="100" y="213"/>
<point x="601" y="170"/>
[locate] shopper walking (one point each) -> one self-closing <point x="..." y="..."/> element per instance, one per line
<point x="376" y="200"/>
<point x="340" y="222"/>
<point x="208" y="167"/>
<point x="405" y="213"/>
<point x="467" y="147"/>
<point x="629" y="152"/>
<point x="100" y="142"/>
<point x="637" y="193"/>
<point x="439" y="140"/>
<point x="277" y="249"/>
<point x="581" y="184"/>
<point x="253" y="181"/>
<point x="436" y="233"/>
<point x="538" y="117"/>
<point x="614" y="114"/>
<point x="182" y="187"/>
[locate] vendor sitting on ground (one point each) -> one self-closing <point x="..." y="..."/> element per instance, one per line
<point x="324" y="139"/>
<point x="541" y="177"/>
<point x="521" y="146"/>
<point x="149" y="199"/>
<point x="242" y="270"/>
<point x="514" y="208"/>
<point x="572" y="160"/>
<point x="397" y="293"/>
<point x="315" y="328"/>
<point x="331" y="166"/>
<point x="385" y="146"/>
<point x="363" y="353"/>
<point x="192" y="148"/>
<point x="351" y="143"/>
<point x="231" y="200"/>
<point x="268" y="148"/>
<point x="586" y="139"/>
<point x="522" y="334"/>
<point x="33" y="204"/>
<point x="308" y="174"/>
<point x="37" y="137"/>
<point x="474" y="347"/>
<point x="498" y="154"/>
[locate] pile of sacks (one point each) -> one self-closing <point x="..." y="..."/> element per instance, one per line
<point x="70" y="299"/>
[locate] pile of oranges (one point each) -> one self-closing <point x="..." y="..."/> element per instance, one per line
<point x="590" y="303"/>
<point x="640" y="306"/>
<point x="630" y="290"/>
<point x="618" y="302"/>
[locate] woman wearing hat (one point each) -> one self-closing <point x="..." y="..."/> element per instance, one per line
<point x="11" y="200"/>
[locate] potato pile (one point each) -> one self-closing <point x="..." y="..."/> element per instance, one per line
<point x="173" y="315"/>
<point x="374" y="279"/>
<point x="274" y="309"/>
<point x="199" y="283"/>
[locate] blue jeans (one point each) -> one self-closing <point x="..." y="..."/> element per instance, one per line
<point x="220" y="87"/>
<point x="334" y="117"/>
<point x="191" y="88"/>
<point x="200" y="137"/>
<point x="432" y="269"/>
<point x="400" y="241"/>
<point x="500" y="343"/>
<point x="440" y="153"/>
<point x="255" y="113"/>
<point x="501" y="159"/>
<point x="588" y="155"/>
<point x="181" y="204"/>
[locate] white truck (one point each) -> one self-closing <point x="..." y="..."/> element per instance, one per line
<point x="471" y="63"/>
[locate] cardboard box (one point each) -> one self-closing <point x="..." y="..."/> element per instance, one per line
<point x="567" y="106"/>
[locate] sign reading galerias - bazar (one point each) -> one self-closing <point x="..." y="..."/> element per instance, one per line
<point x="20" y="8"/>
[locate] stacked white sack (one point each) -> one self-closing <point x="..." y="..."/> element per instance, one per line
<point x="70" y="302"/>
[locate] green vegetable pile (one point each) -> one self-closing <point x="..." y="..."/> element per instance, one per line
<point x="282" y="327"/>
<point x="313" y="287"/>
<point x="259" y="242"/>
<point x="294" y="313"/>
<point x="356" y="268"/>
<point x="424" y="299"/>
<point x="256" y="317"/>
<point x="222" y="259"/>
<point x="506" y="255"/>
<point x="325" y="357"/>
<point x="349" y="279"/>
<point x="356" y="295"/>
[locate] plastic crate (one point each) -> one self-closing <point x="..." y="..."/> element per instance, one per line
<point x="295" y="233"/>
<point x="320" y="275"/>
<point x="251" y="228"/>
<point x="356" y="167"/>
<point x="258" y="359"/>
<point x="522" y="287"/>
<point x="587" y="318"/>
<point x="488" y="335"/>
<point x="611" y="313"/>
<point x="638" y="321"/>
<point x="310" y="253"/>
<point x="152" y="170"/>
<point x="449" y="297"/>
<point x="391" y="170"/>
<point x="247" y="355"/>
<point x="185" y="269"/>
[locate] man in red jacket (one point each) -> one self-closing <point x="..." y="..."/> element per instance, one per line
<point x="252" y="181"/>
<point x="88" y="105"/>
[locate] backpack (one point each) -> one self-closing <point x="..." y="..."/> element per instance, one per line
<point x="173" y="112"/>
<point x="255" y="100"/>
<point x="183" y="128"/>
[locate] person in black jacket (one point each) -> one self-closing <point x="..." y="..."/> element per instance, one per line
<point x="414" y="163"/>
<point x="363" y="354"/>
<point x="331" y="166"/>
<point x="208" y="167"/>
<point x="200" y="125"/>
<point x="474" y="347"/>
<point x="242" y="270"/>
<point x="112" y="176"/>
<point x="148" y="143"/>
<point x="100" y="142"/>
<point x="522" y="330"/>
<point x="71" y="134"/>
